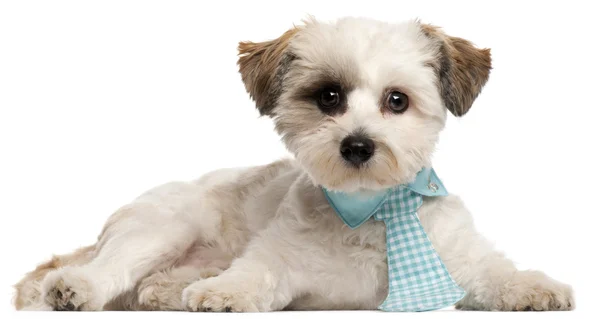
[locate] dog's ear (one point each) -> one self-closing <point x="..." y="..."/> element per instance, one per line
<point x="462" y="68"/>
<point x="263" y="66"/>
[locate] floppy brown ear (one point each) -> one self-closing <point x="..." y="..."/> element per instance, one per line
<point x="263" y="66"/>
<point x="462" y="68"/>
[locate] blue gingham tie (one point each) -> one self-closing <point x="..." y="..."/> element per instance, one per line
<point x="417" y="278"/>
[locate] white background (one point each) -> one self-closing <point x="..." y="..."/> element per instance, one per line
<point x="102" y="100"/>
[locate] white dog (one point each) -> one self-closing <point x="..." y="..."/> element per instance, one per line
<point x="360" y="104"/>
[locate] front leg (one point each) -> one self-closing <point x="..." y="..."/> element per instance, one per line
<point x="491" y="280"/>
<point x="257" y="281"/>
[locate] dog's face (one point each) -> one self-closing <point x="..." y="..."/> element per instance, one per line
<point x="361" y="103"/>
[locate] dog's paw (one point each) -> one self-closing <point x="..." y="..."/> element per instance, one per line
<point x="163" y="290"/>
<point x="160" y="292"/>
<point x="534" y="291"/>
<point x="69" y="289"/>
<point x="218" y="295"/>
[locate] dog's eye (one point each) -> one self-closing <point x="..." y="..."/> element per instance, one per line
<point x="397" y="102"/>
<point x="329" y="98"/>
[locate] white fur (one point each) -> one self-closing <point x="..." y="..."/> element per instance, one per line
<point x="270" y="229"/>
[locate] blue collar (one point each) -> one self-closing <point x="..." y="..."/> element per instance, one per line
<point x="355" y="208"/>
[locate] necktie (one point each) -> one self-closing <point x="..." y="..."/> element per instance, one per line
<point x="417" y="278"/>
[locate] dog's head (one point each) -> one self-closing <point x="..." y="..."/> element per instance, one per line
<point x="361" y="103"/>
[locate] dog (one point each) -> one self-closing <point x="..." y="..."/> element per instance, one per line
<point x="360" y="105"/>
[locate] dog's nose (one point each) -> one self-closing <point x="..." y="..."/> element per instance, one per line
<point x="357" y="149"/>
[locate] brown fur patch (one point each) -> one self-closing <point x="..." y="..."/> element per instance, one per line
<point x="262" y="66"/>
<point x="463" y="69"/>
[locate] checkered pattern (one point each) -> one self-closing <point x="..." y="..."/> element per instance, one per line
<point x="418" y="280"/>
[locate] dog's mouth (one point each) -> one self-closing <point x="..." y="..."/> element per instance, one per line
<point x="354" y="162"/>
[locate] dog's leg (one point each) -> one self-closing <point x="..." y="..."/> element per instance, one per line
<point x="260" y="280"/>
<point x="146" y="236"/>
<point x="491" y="280"/>
<point x="135" y="250"/>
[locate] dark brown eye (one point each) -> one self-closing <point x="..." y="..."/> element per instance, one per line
<point x="397" y="102"/>
<point x="329" y="98"/>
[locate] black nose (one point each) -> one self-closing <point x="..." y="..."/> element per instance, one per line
<point x="357" y="149"/>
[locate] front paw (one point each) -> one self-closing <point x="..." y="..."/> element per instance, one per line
<point x="533" y="290"/>
<point x="160" y="292"/>
<point x="220" y="295"/>
<point x="163" y="290"/>
<point x="69" y="289"/>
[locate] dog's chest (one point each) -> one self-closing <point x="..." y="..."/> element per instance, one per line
<point x="369" y="237"/>
<point x="357" y="256"/>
